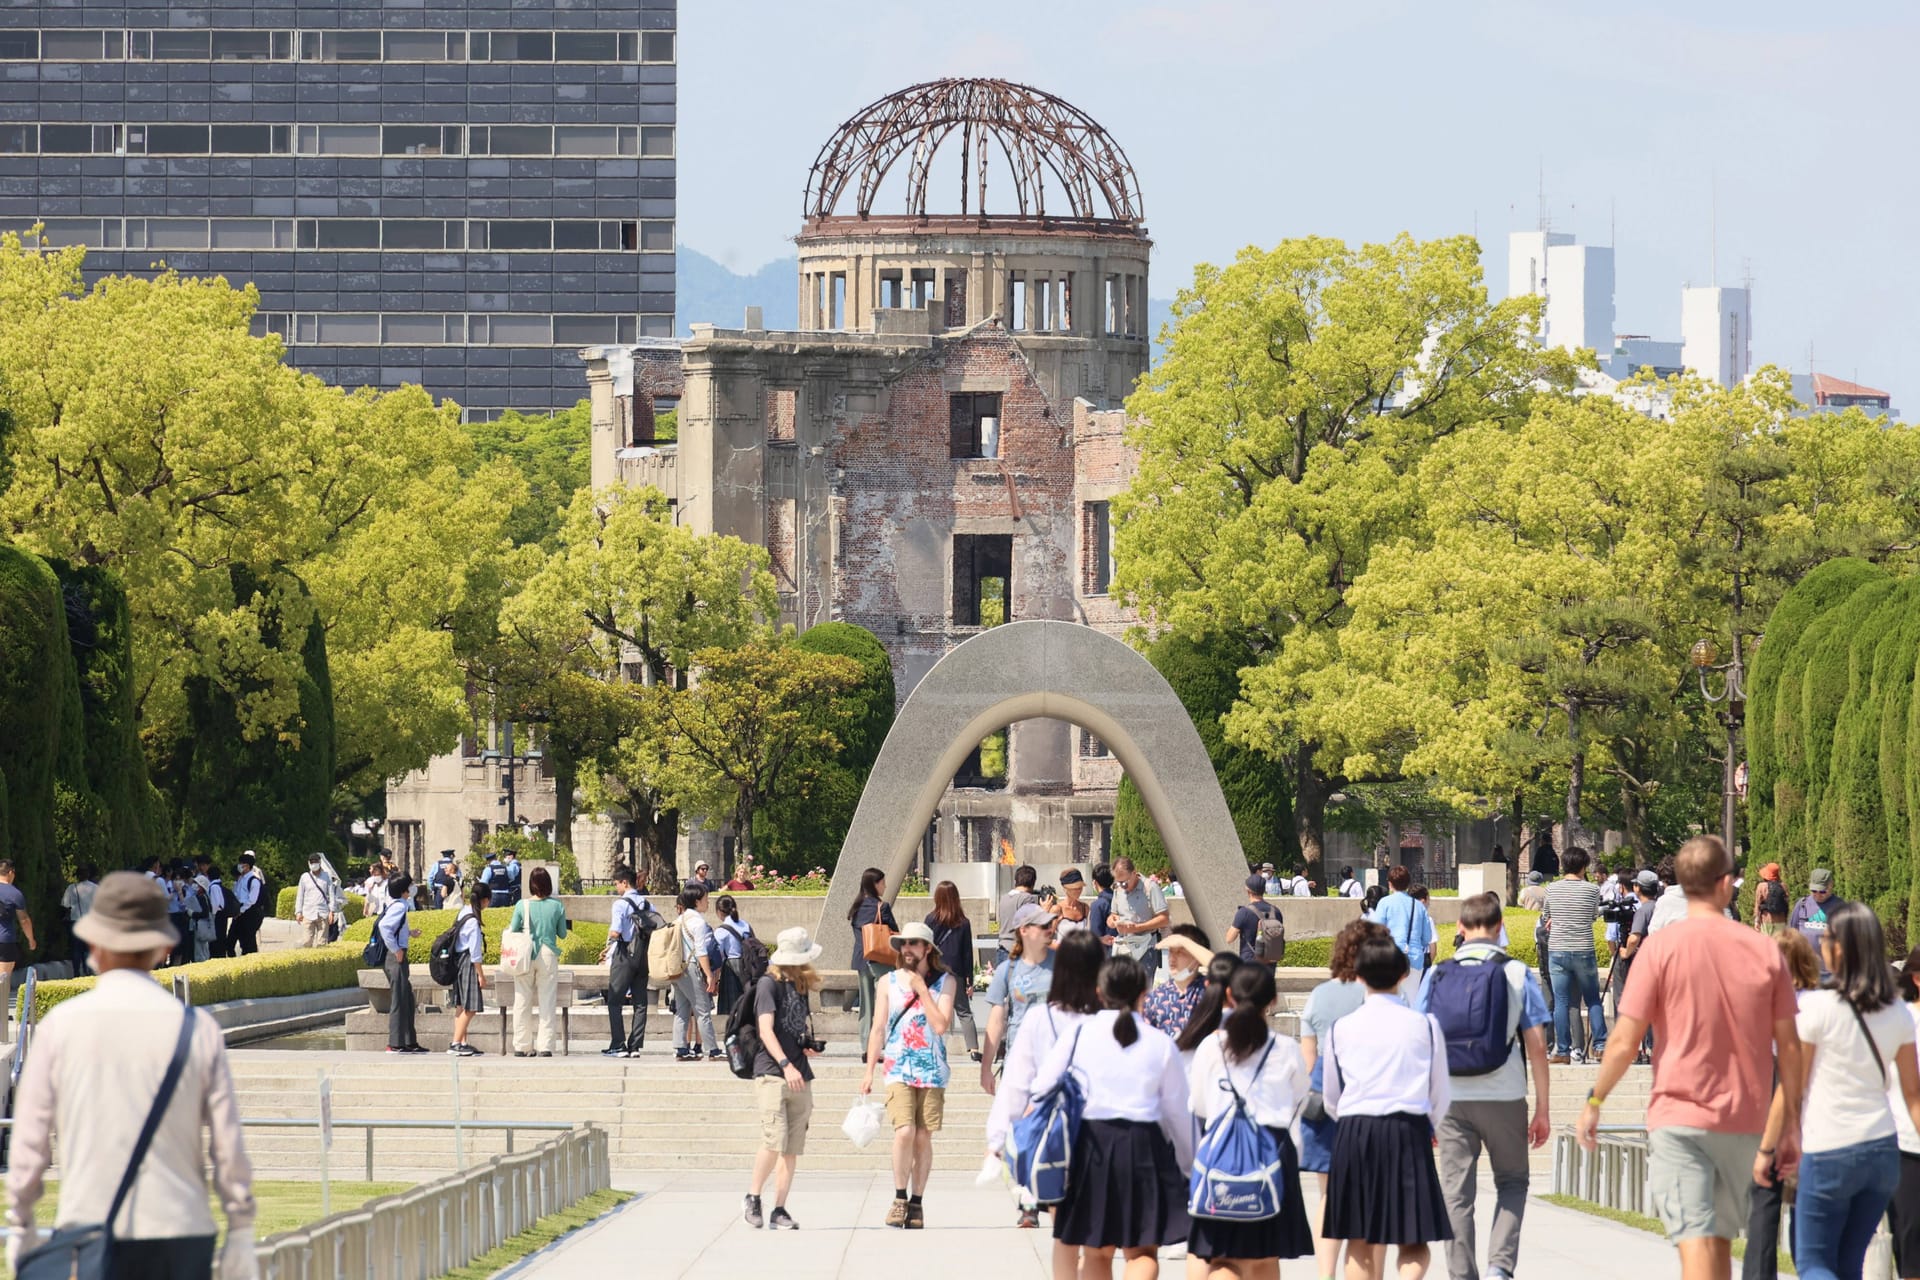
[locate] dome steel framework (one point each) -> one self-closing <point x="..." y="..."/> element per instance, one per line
<point x="1038" y="134"/>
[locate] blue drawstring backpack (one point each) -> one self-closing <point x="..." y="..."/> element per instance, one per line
<point x="1041" y="1145"/>
<point x="1237" y="1176"/>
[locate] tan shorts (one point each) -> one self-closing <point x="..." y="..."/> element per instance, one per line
<point x="784" y="1114"/>
<point x="911" y="1108"/>
<point x="1700" y="1182"/>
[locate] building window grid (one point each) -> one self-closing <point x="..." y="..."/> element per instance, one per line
<point x="351" y="235"/>
<point x="454" y="329"/>
<point x="250" y="44"/>
<point x="557" y="142"/>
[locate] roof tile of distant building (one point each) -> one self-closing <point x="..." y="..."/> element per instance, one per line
<point x="1826" y="386"/>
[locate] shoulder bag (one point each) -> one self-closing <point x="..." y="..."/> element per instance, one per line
<point x="516" y="944"/>
<point x="1858" y="1017"/>
<point x="84" y="1251"/>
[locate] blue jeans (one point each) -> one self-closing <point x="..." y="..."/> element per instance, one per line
<point x="1843" y="1195"/>
<point x="1576" y="975"/>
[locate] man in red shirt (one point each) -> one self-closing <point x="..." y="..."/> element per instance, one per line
<point x="1721" y="1005"/>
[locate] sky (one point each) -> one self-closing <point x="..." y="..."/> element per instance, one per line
<point x="1770" y="138"/>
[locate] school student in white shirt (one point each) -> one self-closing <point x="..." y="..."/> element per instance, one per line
<point x="470" y="980"/>
<point x="1073" y="996"/>
<point x="1386" y="1083"/>
<point x="1127" y="1186"/>
<point x="1266" y="1071"/>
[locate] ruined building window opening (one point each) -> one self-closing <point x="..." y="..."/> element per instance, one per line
<point x="1092" y="839"/>
<point x="922" y="283"/>
<point x="974" y="417"/>
<point x="783" y="545"/>
<point x="1114" y="306"/>
<point x="1097" y="548"/>
<point x="783" y="408"/>
<point x="1091" y="748"/>
<point x="892" y="291"/>
<point x="476" y="832"/>
<point x="956" y="294"/>
<point x="1017" y="302"/>
<point x="1065" y="292"/>
<point x="1043" y="304"/>
<point x="985" y="838"/>
<point x="838" y="300"/>
<point x="1135" y="306"/>
<point x="982" y="579"/>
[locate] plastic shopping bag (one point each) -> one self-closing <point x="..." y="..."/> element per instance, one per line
<point x="865" y="1119"/>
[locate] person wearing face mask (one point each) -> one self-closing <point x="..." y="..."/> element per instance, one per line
<point x="1171" y="1004"/>
<point x="313" y="902"/>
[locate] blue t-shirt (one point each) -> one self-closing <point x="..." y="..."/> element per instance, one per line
<point x="1020" y="985"/>
<point x="1098" y="914"/>
<point x="1509" y="1081"/>
<point x="12" y="903"/>
<point x="1410" y="925"/>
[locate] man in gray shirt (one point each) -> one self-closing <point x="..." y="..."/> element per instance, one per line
<point x="1572" y="906"/>
<point x="1024" y="878"/>
<point x="1139" y="913"/>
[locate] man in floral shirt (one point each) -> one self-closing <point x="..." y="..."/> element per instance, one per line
<point x="913" y="1009"/>
<point x="1170" y="1005"/>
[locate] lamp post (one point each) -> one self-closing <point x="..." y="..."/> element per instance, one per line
<point x="1732" y="699"/>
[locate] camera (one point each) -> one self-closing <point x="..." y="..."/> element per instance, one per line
<point x="813" y="1046"/>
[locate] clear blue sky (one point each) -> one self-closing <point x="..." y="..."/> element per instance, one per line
<point x="1251" y="121"/>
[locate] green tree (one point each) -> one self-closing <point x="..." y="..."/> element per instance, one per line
<point x="551" y="453"/>
<point x="1205" y="676"/>
<point x="805" y="822"/>
<point x="1278" y="444"/>
<point x="40" y="722"/>
<point x="755" y="710"/>
<point x="627" y="594"/>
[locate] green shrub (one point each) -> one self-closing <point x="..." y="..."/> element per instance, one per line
<point x="273" y="973"/>
<point x="355" y="909"/>
<point x="1308" y="953"/>
<point x="582" y="945"/>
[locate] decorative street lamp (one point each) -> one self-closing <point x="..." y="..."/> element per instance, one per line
<point x="1732" y="699"/>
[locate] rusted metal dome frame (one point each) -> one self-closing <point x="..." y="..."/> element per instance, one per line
<point x="1038" y="133"/>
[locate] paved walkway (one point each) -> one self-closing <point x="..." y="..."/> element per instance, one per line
<point x="689" y="1224"/>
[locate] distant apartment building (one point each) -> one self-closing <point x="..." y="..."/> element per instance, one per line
<point x="460" y="195"/>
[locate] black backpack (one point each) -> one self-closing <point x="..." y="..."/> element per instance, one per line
<point x="742" y="1039"/>
<point x="752" y="964"/>
<point x="1773" y="900"/>
<point x="443" y="960"/>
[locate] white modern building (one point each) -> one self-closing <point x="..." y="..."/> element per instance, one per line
<point x="1716" y="333"/>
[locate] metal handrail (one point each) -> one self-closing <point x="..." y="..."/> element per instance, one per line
<point x="509" y="1127"/>
<point x="431" y="1229"/>
<point x="1613" y="1175"/>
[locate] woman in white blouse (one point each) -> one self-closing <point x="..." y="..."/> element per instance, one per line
<point x="1266" y="1070"/>
<point x="1386" y="1083"/>
<point x="1127" y="1185"/>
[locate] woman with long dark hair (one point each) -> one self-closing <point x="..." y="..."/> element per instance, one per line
<point x="1904" y="1211"/>
<point x="913" y="1010"/>
<point x="1127" y="1186"/>
<point x="870" y="907"/>
<point x="730" y="935"/>
<point x="1264" y="1068"/>
<point x="1386" y="1082"/>
<point x="1073" y="996"/>
<point x="1857" y="1048"/>
<point x="1211" y="1008"/>
<point x="953" y="939"/>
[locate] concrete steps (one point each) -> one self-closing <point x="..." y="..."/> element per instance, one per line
<point x="660" y="1115"/>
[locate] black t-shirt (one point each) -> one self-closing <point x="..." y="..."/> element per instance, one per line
<point x="789" y="1010"/>
<point x="1246" y="922"/>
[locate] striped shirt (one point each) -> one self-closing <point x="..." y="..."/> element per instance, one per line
<point x="1572" y="907"/>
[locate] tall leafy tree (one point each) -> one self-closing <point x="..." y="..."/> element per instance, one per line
<point x="1278" y="443"/>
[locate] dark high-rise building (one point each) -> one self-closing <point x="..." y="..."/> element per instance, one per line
<point x="456" y="194"/>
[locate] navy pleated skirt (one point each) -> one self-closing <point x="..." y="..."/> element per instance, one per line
<point x="1285" y="1235"/>
<point x="1383" y="1188"/>
<point x="1124" y="1189"/>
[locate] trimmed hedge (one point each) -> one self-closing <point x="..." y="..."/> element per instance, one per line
<point x="582" y="945"/>
<point x="274" y="973"/>
<point x="1309" y="953"/>
<point x="355" y="911"/>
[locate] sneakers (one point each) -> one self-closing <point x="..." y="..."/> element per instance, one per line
<point x="463" y="1050"/>
<point x="916" y="1216"/>
<point x="1558" y="1060"/>
<point x="613" y="1053"/>
<point x="1580" y="1058"/>
<point x="897" y="1212"/>
<point x="415" y="1049"/>
<point x="782" y="1220"/>
<point x="750" y="1210"/>
<point x="1029" y="1218"/>
<point x="718" y="1055"/>
<point x="546" y="1053"/>
<point x="682" y="1055"/>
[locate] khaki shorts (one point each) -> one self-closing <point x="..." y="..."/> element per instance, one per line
<point x="784" y="1114"/>
<point x="1700" y="1182"/>
<point x="911" y="1108"/>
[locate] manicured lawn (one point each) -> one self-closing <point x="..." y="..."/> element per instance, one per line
<point x="541" y="1234"/>
<point x="282" y="1205"/>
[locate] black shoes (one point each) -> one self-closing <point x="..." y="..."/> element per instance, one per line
<point x="750" y="1210"/>
<point x="782" y="1220"/>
